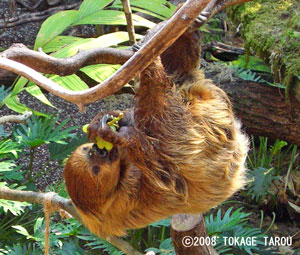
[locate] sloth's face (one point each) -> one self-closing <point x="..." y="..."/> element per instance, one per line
<point x="91" y="175"/>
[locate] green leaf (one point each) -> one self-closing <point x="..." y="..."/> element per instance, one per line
<point x="4" y="93"/>
<point x="14" y="104"/>
<point x="92" y="43"/>
<point x="3" y="132"/>
<point x="8" y="147"/>
<point x="252" y="63"/>
<point x="35" y="91"/>
<point x="6" y="166"/>
<point x="38" y="224"/>
<point x="161" y="223"/>
<point x="228" y="223"/>
<point x="166" y="246"/>
<point x="62" y="151"/>
<point x="20" y="84"/>
<point x="42" y="130"/>
<point x="88" y="7"/>
<point x="100" y="72"/>
<point x="97" y="243"/>
<point x="15" y="207"/>
<point x="53" y="26"/>
<point x="9" y="171"/>
<point x="71" y="82"/>
<point x="111" y="17"/>
<point x="154" y="7"/>
<point x="59" y="42"/>
<point x="22" y="231"/>
<point x="232" y="225"/>
<point x="140" y="21"/>
<point x="278" y="145"/>
<point x="261" y="179"/>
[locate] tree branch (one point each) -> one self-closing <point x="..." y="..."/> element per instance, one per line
<point x="175" y="26"/>
<point x="15" y="118"/>
<point x="38" y="198"/>
<point x="65" y="66"/>
<point x="130" y="26"/>
<point x="58" y="203"/>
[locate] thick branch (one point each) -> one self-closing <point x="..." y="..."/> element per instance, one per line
<point x="141" y="59"/>
<point x="59" y="202"/>
<point x="65" y="66"/>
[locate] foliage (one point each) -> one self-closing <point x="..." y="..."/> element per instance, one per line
<point x="26" y="217"/>
<point x="8" y="148"/>
<point x="249" y="75"/>
<point x="52" y="40"/>
<point x="269" y="156"/>
<point x="260" y="180"/>
<point x="95" y="243"/>
<point x="40" y="130"/>
<point x="271" y="28"/>
<point x="252" y="63"/>
<point x="268" y="165"/>
<point x="212" y="31"/>
<point x="232" y="225"/>
<point x="22" y="225"/>
<point x="4" y="93"/>
<point x="60" y="151"/>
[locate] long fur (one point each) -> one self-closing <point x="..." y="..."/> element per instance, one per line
<point x="185" y="153"/>
<point x="180" y="150"/>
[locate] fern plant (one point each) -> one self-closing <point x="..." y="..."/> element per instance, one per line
<point x="249" y="75"/>
<point x="4" y="93"/>
<point x="232" y="225"/>
<point x="40" y="130"/>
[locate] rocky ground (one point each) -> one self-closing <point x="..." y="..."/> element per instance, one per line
<point x="25" y="33"/>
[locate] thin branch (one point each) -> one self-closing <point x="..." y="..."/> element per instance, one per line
<point x="65" y="66"/>
<point x="58" y="203"/>
<point x="15" y="118"/>
<point x="130" y="26"/>
<point x="36" y="16"/>
<point x="175" y="26"/>
<point x="38" y="198"/>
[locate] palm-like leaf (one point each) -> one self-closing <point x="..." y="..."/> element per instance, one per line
<point x="41" y="130"/>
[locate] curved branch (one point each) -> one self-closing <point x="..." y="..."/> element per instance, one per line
<point x="175" y="26"/>
<point x="59" y="202"/>
<point x="65" y="66"/>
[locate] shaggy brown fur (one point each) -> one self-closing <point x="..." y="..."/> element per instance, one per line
<point x="181" y="151"/>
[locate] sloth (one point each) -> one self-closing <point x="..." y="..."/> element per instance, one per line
<point x="180" y="150"/>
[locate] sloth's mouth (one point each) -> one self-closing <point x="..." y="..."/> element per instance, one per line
<point x="100" y="155"/>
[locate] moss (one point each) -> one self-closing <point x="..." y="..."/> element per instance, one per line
<point x="272" y="29"/>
